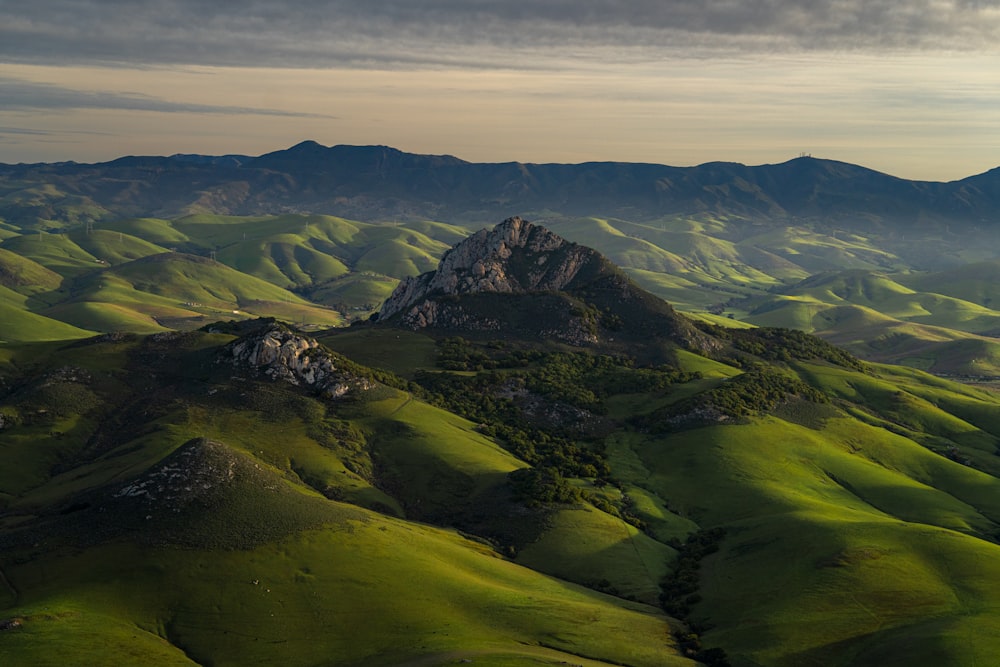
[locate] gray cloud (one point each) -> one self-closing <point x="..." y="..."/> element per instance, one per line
<point x="477" y="33"/>
<point x="23" y="131"/>
<point x="20" y="95"/>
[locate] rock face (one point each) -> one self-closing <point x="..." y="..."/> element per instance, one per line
<point x="514" y="257"/>
<point x="520" y="280"/>
<point x="283" y="355"/>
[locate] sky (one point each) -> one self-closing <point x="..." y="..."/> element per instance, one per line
<point x="908" y="87"/>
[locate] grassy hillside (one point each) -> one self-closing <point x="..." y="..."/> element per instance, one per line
<point x="841" y="558"/>
<point x="879" y="318"/>
<point x="815" y="277"/>
<point x="21" y="274"/>
<point x="19" y="324"/>
<point x="812" y="510"/>
<point x="265" y="548"/>
<point x="56" y="252"/>
<point x="846" y="525"/>
<point x="868" y="290"/>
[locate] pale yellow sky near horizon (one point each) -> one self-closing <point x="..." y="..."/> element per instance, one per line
<point x="916" y="116"/>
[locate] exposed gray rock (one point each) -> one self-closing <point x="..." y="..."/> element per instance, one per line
<point x="197" y="469"/>
<point x="513" y="257"/>
<point x="299" y="360"/>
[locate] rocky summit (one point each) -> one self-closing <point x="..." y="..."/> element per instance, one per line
<point x="514" y="257"/>
<point x="281" y="354"/>
<point x="520" y="279"/>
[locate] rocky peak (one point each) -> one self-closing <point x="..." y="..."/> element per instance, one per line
<point x="513" y="257"/>
<point x="282" y="354"/>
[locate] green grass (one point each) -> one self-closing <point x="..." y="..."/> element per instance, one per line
<point x="306" y="579"/>
<point x="398" y="259"/>
<point x="21" y="325"/>
<point x="153" y="230"/>
<point x="113" y="247"/>
<point x="347" y="594"/>
<point x="856" y="290"/>
<point x="858" y="532"/>
<point x="360" y="293"/>
<point x="56" y="252"/>
<point x="105" y="316"/>
<point x="585" y="545"/>
<point x="24" y="275"/>
<point x="437" y="460"/>
<point x="975" y="282"/>
<point x="822" y="516"/>
<point x="695" y="363"/>
<point x="399" y="351"/>
<point x="198" y="279"/>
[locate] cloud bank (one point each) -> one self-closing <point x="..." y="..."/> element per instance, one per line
<point x="21" y="95"/>
<point x="474" y="33"/>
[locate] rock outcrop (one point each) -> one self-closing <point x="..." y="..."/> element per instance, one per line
<point x="514" y="257"/>
<point x="281" y="354"/>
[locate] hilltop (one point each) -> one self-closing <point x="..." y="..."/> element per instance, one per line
<point x="562" y="291"/>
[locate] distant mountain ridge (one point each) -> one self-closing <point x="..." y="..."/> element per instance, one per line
<point x="382" y="183"/>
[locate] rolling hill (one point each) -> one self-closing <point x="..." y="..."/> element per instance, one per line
<point x="649" y="490"/>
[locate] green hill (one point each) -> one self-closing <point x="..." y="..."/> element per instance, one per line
<point x="56" y="252"/>
<point x="878" y="318"/>
<point x="240" y="557"/>
<point x="21" y="325"/>
<point x="975" y="282"/>
<point x="23" y="275"/>
<point x="807" y="276"/>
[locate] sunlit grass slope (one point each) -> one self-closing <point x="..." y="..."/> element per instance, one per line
<point x="978" y="282"/>
<point x="17" y="323"/>
<point x="880" y="292"/>
<point x="873" y="335"/>
<point x="56" y="252"/>
<point x="24" y="275"/>
<point x="113" y="247"/>
<point x="838" y="541"/>
<point x="244" y="561"/>
<point x="362" y="591"/>
<point x="170" y="289"/>
<point x="307" y="250"/>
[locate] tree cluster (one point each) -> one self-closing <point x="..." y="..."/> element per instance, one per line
<point x="757" y="391"/>
<point x="679" y="593"/>
<point x="784" y="345"/>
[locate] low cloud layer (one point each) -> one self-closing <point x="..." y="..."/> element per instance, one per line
<point x="20" y="95"/>
<point x="473" y="33"/>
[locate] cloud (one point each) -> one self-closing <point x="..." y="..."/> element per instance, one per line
<point x="23" y="131"/>
<point x="473" y="33"/>
<point x="21" y="95"/>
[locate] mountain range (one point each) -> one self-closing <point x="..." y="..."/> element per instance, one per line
<point x="372" y="183"/>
